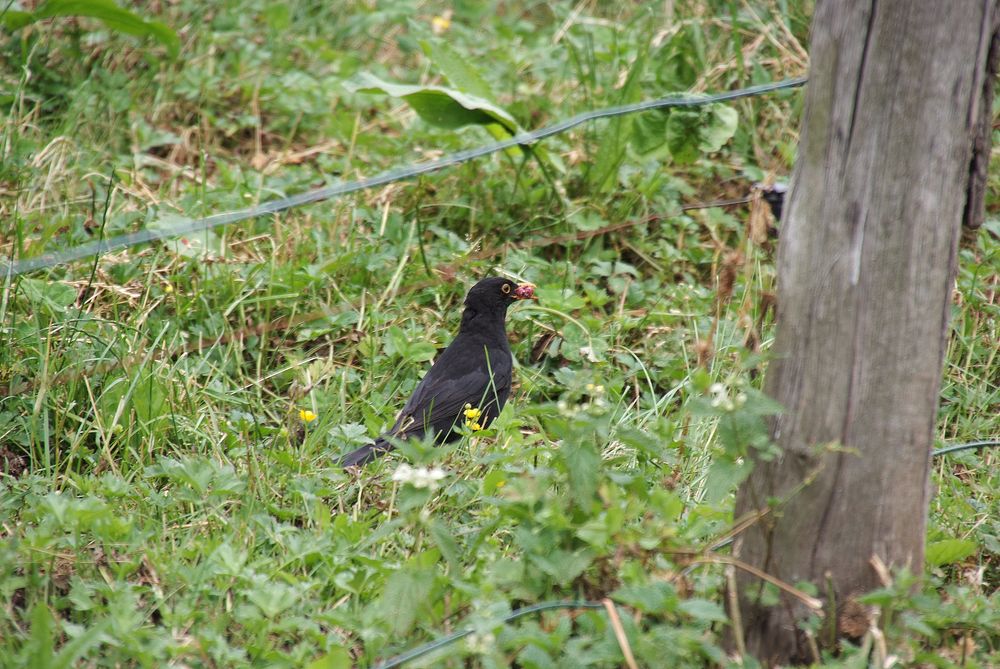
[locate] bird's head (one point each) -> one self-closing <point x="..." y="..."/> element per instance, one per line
<point x="497" y="293"/>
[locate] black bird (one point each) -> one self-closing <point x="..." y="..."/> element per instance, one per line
<point x="774" y="195"/>
<point x="474" y="372"/>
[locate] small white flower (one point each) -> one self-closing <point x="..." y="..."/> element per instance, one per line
<point x="428" y="478"/>
<point x="480" y="643"/>
<point x="419" y="477"/>
<point x="720" y="397"/>
<point x="588" y="353"/>
<point x="564" y="408"/>
<point x="403" y="473"/>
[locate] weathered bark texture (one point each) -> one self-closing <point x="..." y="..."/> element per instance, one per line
<point x="865" y="272"/>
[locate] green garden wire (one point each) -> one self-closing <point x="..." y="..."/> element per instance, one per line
<point x="46" y="260"/>
<point x="455" y="636"/>
<point x="972" y="445"/>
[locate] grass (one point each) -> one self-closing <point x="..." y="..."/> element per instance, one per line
<point x="163" y="501"/>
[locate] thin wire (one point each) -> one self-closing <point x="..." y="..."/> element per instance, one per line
<point x="51" y="259"/>
<point x="455" y="636"/>
<point x="965" y="447"/>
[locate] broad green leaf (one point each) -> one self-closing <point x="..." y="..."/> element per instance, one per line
<point x="738" y="430"/>
<point x="703" y="609"/>
<point x="493" y="481"/>
<point x="723" y="477"/>
<point x="55" y="297"/>
<point x="105" y="11"/>
<point x="681" y="60"/>
<point x="691" y="133"/>
<point x="228" y="561"/>
<point x="683" y="128"/>
<point x="41" y="644"/>
<point x="759" y="404"/>
<point x="649" y="135"/>
<point x="338" y="658"/>
<point x="14" y="20"/>
<point x="916" y="623"/>
<point x="657" y="597"/>
<point x="112" y="393"/>
<point x="468" y="82"/>
<point x="443" y="107"/>
<point x="586" y="220"/>
<point x="668" y="504"/>
<point x="76" y="648"/>
<point x="600" y="529"/>
<point x="273" y="597"/>
<point x="949" y="551"/>
<point x="409" y="348"/>
<point x="646" y="442"/>
<point x="41" y="640"/>
<point x="405" y="597"/>
<point x="446" y="544"/>
<point x="278" y="16"/>
<point x="460" y="72"/>
<point x="720" y="128"/>
<point x="583" y="465"/>
<point x="562" y="565"/>
<point x="532" y="656"/>
<point x="148" y="398"/>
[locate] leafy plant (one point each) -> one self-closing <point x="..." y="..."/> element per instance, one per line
<point x="444" y="107"/>
<point x="171" y="414"/>
<point x="105" y="11"/>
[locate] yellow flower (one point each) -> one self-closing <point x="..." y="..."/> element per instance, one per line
<point x="471" y="414"/>
<point x="307" y="416"/>
<point x="440" y="24"/>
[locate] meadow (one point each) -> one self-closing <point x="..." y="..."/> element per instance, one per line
<point x="172" y="413"/>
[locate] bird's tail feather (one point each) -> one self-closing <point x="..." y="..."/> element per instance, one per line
<point x="366" y="453"/>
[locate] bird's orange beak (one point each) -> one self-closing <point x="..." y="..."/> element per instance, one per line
<point x="525" y="291"/>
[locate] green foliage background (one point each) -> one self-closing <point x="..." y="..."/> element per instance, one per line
<point x="164" y="503"/>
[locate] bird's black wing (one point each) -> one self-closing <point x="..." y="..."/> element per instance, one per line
<point x="440" y="398"/>
<point x="466" y="373"/>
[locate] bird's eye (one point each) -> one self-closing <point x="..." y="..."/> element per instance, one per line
<point x="505" y="288"/>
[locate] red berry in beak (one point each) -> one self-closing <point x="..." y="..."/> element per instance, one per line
<point x="525" y="291"/>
